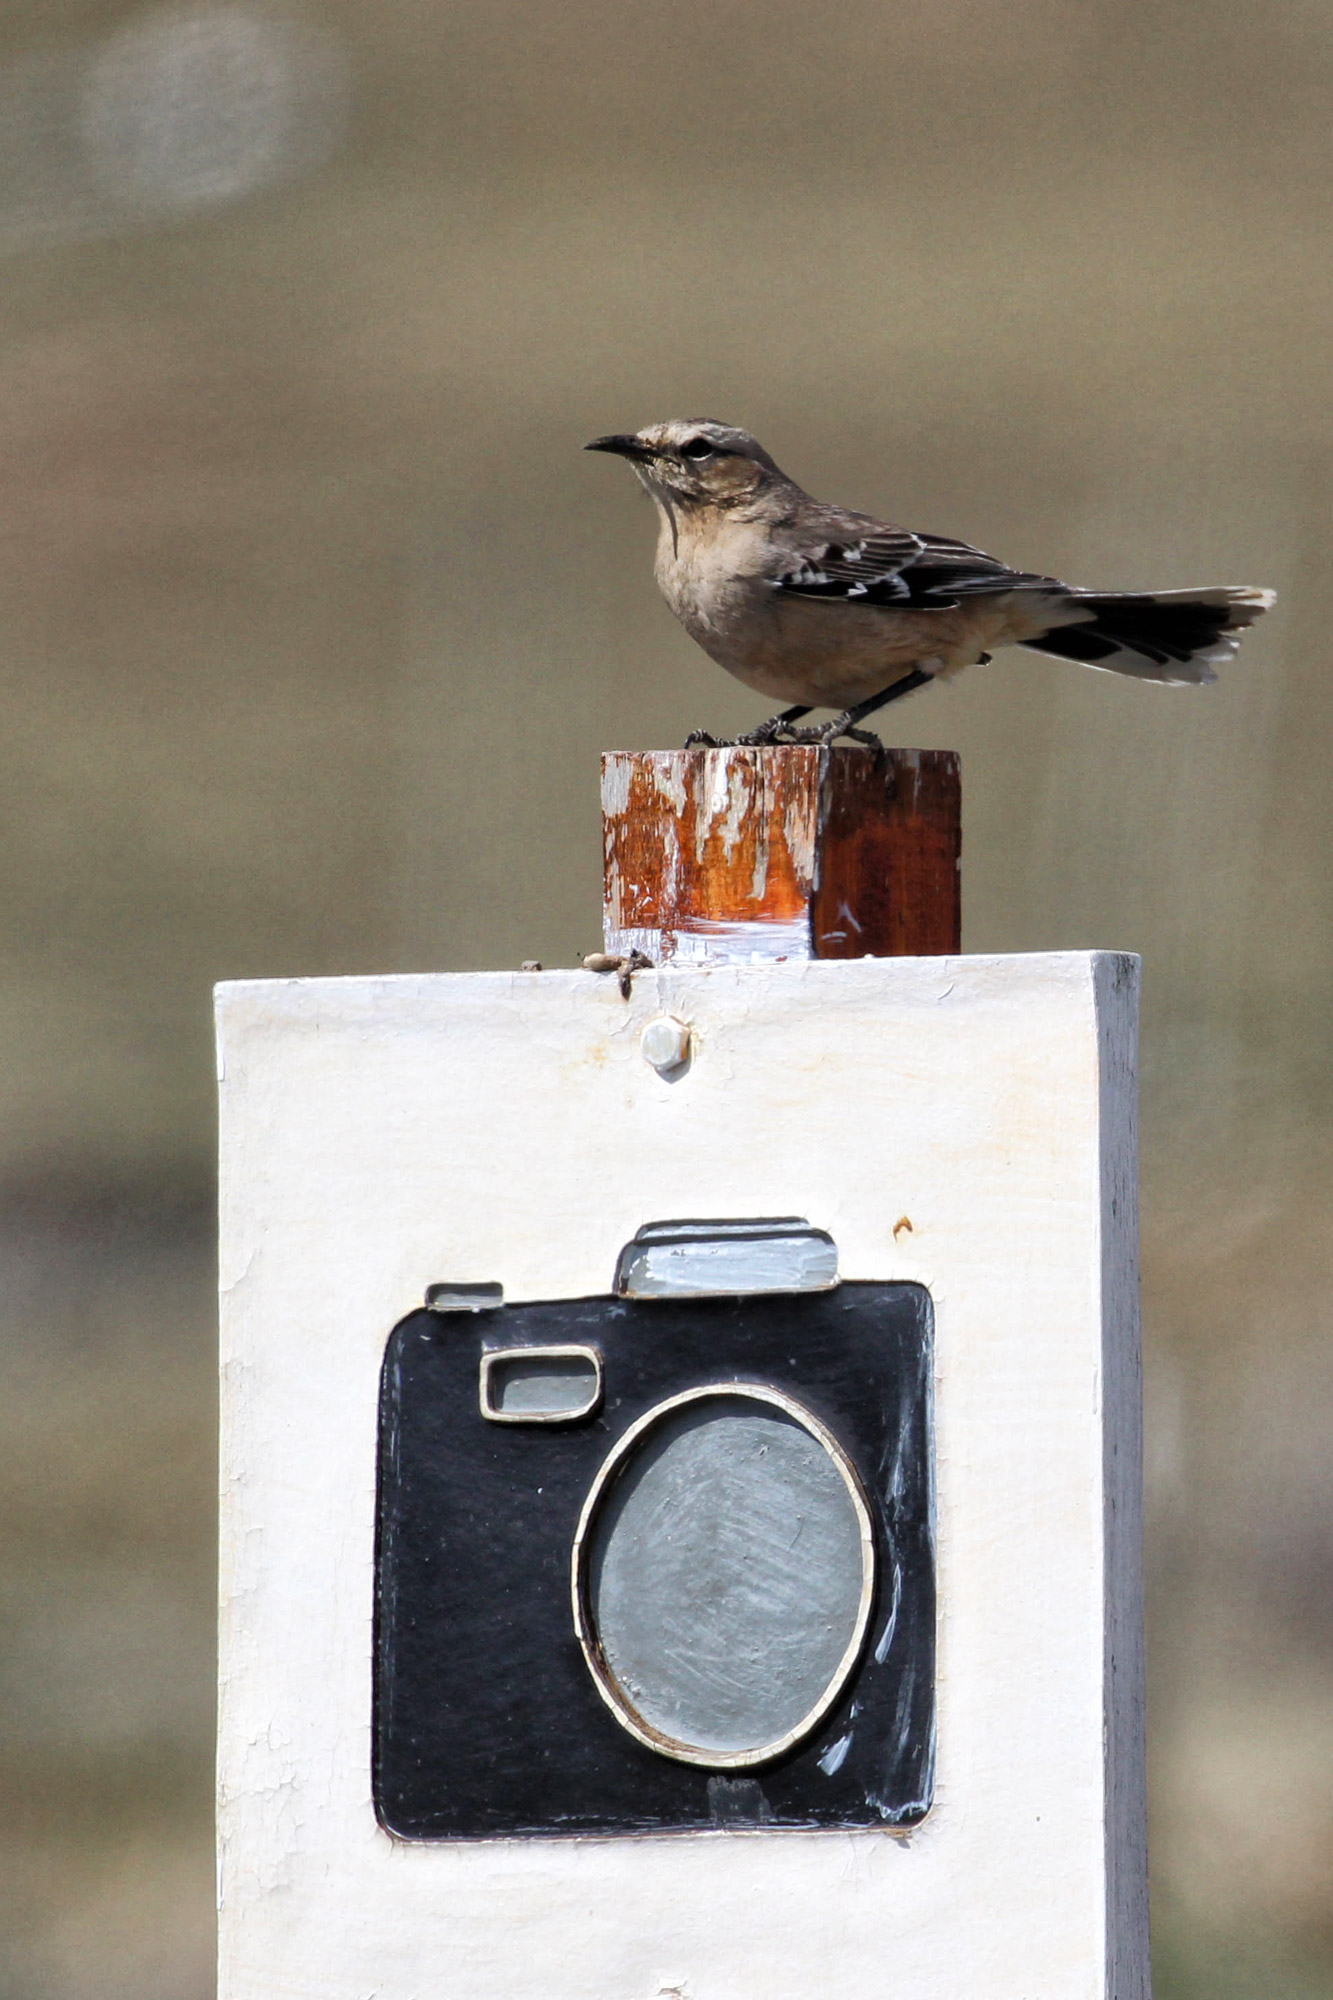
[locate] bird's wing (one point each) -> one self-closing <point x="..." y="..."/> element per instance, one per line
<point x="949" y="569"/>
<point x="851" y="559"/>
<point x="846" y="557"/>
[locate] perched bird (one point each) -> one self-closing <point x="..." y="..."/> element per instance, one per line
<point x="826" y="608"/>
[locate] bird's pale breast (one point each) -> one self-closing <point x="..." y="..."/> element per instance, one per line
<point x="794" y="649"/>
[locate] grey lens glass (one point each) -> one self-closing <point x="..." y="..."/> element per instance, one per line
<point x="726" y="1575"/>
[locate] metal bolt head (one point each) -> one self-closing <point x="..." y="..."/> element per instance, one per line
<point x="665" y="1043"/>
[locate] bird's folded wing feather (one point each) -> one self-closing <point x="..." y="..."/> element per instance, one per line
<point x="850" y="559"/>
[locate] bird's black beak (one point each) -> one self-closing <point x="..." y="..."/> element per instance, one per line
<point x="624" y="447"/>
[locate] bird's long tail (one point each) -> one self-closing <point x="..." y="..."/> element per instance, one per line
<point x="1168" y="635"/>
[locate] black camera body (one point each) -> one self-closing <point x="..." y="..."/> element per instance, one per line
<point x="661" y="1559"/>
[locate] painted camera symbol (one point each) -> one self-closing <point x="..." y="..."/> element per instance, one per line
<point x="701" y="1503"/>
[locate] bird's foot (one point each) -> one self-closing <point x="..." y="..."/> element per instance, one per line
<point x="827" y="733"/>
<point x="762" y="738"/>
<point x="775" y="730"/>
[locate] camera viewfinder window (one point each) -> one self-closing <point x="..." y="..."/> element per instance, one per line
<point x="540" y="1385"/>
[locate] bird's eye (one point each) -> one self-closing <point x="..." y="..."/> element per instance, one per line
<point x="697" y="448"/>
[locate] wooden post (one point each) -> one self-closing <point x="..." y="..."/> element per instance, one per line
<point x="789" y="852"/>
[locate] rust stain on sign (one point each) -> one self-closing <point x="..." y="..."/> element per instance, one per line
<point x="788" y="852"/>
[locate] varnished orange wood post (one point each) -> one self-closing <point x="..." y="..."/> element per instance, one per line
<point x="789" y="852"/>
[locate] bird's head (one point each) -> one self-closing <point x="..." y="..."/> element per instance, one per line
<point x="696" y="463"/>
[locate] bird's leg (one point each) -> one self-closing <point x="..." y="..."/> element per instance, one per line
<point x="781" y="728"/>
<point x="845" y="724"/>
<point x="775" y="730"/>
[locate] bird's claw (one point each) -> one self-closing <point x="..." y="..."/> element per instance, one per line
<point x="754" y="739"/>
<point x="773" y="731"/>
<point x="827" y="733"/>
<point x="777" y="730"/>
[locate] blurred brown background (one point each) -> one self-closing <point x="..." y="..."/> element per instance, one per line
<point x="314" y="622"/>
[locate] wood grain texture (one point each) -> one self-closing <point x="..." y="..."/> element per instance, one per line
<point x="889" y="840"/>
<point x="745" y="855"/>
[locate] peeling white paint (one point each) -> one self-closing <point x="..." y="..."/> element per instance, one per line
<point x="668" y="777"/>
<point x="762" y="851"/>
<point x="800" y="831"/>
<point x="753" y="943"/>
<point x="616" y="769"/>
<point x="835" y="1756"/>
<point x="740" y="790"/>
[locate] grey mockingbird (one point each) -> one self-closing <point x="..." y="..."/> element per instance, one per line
<point x="826" y="608"/>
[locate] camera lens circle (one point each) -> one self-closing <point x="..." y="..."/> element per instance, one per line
<point x="723" y="1572"/>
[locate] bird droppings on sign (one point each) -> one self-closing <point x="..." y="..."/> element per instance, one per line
<point x="903" y="1224"/>
<point x="624" y="964"/>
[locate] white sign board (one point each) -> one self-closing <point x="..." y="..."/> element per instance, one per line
<point x="962" y="1128"/>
